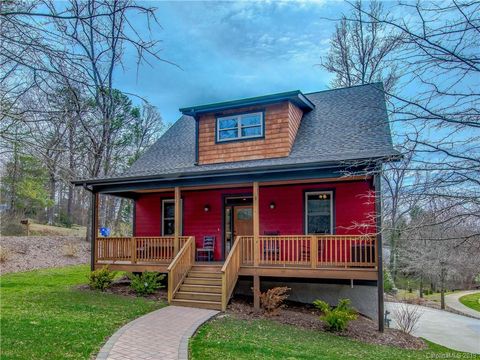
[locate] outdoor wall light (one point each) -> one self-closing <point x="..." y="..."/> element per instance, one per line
<point x="206" y="208"/>
<point x="272" y="205"/>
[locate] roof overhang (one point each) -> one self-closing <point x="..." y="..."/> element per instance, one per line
<point x="296" y="97"/>
<point x="127" y="186"/>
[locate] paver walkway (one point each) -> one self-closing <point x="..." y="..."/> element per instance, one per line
<point x="162" y="334"/>
<point x="452" y="301"/>
<point x="445" y="328"/>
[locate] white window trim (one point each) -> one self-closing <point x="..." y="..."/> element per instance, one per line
<point x="239" y="127"/>
<point x="306" y="208"/>
<point x="172" y="201"/>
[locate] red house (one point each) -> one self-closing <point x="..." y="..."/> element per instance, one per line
<point x="280" y="188"/>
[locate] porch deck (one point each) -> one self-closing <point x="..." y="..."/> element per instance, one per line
<point x="351" y="257"/>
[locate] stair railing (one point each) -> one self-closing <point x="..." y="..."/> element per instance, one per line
<point x="180" y="266"/>
<point x="230" y="270"/>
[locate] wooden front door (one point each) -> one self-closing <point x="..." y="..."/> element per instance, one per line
<point x="242" y="220"/>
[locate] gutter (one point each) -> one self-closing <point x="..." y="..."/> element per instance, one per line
<point x="218" y="173"/>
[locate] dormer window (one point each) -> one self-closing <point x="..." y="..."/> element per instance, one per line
<point x="240" y="126"/>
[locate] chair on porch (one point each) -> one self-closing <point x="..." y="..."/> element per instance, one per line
<point x="271" y="249"/>
<point x="205" y="253"/>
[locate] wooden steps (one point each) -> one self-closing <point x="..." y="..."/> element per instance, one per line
<point x="202" y="288"/>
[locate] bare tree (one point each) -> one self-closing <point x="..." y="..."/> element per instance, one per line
<point x="360" y="49"/>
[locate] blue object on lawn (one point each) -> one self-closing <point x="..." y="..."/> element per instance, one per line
<point x="104" y="231"/>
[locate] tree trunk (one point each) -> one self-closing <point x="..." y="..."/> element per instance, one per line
<point x="51" y="209"/>
<point x="420" y="288"/>
<point x="442" y="288"/>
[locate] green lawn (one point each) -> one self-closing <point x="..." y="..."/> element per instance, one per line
<point x="44" y="317"/>
<point x="472" y="301"/>
<point x="228" y="338"/>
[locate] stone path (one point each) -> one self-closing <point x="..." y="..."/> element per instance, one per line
<point x="445" y="328"/>
<point x="162" y="334"/>
<point x="452" y="301"/>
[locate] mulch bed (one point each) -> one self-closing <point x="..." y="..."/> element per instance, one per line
<point x="122" y="287"/>
<point x="307" y="317"/>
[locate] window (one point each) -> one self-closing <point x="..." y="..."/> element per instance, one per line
<point x="235" y="127"/>
<point x="168" y="217"/>
<point x="319" y="212"/>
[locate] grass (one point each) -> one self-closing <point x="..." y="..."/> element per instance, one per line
<point x="42" y="230"/>
<point x="472" y="301"/>
<point x="403" y="294"/>
<point x="43" y="315"/>
<point x="228" y="338"/>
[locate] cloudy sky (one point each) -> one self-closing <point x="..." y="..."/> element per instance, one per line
<point x="229" y="50"/>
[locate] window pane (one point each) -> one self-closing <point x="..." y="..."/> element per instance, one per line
<point x="319" y="214"/>
<point x="168" y="210"/>
<point x="244" y="214"/>
<point x="227" y="123"/>
<point x="252" y="131"/>
<point x="169" y="227"/>
<point x="227" y="134"/>
<point x="319" y="224"/>
<point x="248" y="120"/>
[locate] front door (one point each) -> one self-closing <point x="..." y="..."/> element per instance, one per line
<point x="238" y="220"/>
<point x="242" y="220"/>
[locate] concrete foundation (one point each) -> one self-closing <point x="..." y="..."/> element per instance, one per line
<point x="364" y="298"/>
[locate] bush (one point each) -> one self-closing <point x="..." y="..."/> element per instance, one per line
<point x="10" y="226"/>
<point x="272" y="299"/>
<point x="337" y="318"/>
<point x="4" y="254"/>
<point x="407" y="316"/>
<point x="388" y="284"/>
<point x="146" y="283"/>
<point x="101" y="279"/>
<point x="70" y="250"/>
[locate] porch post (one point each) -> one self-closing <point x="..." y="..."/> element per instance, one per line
<point x="256" y="226"/>
<point x="378" y="213"/>
<point x="94" y="231"/>
<point x="256" y="292"/>
<point x="176" y="241"/>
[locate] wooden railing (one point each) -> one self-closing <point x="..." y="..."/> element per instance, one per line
<point x="148" y="249"/>
<point x="313" y="251"/>
<point x="180" y="267"/>
<point x="230" y="271"/>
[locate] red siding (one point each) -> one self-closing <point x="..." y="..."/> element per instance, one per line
<point x="353" y="203"/>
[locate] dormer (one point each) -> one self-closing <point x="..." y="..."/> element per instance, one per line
<point x="249" y="129"/>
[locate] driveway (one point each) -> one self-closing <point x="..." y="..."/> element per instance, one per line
<point x="453" y="302"/>
<point x="453" y="331"/>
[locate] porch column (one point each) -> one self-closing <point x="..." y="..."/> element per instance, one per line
<point x="378" y="214"/>
<point x="94" y="231"/>
<point x="256" y="226"/>
<point x="176" y="241"/>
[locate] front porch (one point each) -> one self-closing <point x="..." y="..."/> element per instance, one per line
<point x="324" y="256"/>
<point x="310" y="228"/>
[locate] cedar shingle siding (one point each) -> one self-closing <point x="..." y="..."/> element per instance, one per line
<point x="281" y="124"/>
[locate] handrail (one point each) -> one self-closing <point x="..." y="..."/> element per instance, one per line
<point x="136" y="249"/>
<point x="230" y="270"/>
<point x="313" y="251"/>
<point x="180" y="266"/>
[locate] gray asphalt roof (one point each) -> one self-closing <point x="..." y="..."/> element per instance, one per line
<point x="346" y="124"/>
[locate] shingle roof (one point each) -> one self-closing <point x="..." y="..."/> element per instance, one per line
<point x="346" y="124"/>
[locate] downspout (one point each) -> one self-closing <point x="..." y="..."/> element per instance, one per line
<point x="197" y="126"/>
<point x="378" y="213"/>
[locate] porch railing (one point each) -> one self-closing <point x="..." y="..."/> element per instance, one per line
<point x="180" y="267"/>
<point x="137" y="249"/>
<point x="315" y="251"/>
<point x="230" y="270"/>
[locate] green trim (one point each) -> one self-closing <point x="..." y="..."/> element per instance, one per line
<point x="295" y="96"/>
